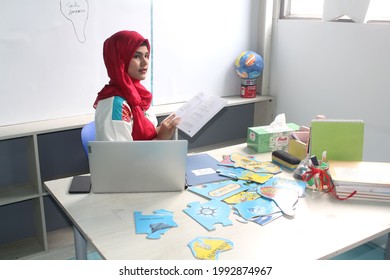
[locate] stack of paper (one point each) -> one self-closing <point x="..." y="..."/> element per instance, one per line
<point x="371" y="180"/>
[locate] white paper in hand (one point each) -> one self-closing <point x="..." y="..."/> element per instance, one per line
<point x="196" y="112"/>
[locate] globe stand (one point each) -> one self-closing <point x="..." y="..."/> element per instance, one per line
<point x="249" y="66"/>
<point x="248" y="88"/>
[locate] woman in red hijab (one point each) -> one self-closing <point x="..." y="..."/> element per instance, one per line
<point x="123" y="106"/>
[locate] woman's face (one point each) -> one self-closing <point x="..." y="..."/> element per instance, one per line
<point x="138" y="66"/>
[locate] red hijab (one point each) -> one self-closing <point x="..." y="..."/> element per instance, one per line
<point x="118" y="50"/>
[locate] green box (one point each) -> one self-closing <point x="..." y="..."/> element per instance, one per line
<point x="264" y="139"/>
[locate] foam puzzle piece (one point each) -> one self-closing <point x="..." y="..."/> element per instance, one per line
<point x="250" y="163"/>
<point x="241" y="197"/>
<point x="263" y="220"/>
<point x="154" y="225"/>
<point x="223" y="189"/>
<point x="299" y="186"/>
<point x="255" y="208"/>
<point x="209" y="213"/>
<point x="227" y="161"/>
<point x="245" y="175"/>
<point x="209" y="248"/>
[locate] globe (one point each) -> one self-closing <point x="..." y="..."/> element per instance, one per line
<point x="249" y="65"/>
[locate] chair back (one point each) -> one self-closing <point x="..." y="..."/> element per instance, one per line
<point x="88" y="133"/>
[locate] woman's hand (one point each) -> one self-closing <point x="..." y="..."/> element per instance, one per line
<point x="167" y="127"/>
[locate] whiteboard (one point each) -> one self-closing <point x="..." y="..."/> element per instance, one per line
<point x="51" y="62"/>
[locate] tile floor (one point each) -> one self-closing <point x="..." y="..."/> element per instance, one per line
<point x="368" y="251"/>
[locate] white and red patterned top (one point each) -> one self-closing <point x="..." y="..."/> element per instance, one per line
<point x="114" y="121"/>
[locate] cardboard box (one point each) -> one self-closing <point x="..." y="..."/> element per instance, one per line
<point x="264" y="139"/>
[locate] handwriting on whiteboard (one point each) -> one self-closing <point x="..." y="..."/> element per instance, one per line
<point x="77" y="13"/>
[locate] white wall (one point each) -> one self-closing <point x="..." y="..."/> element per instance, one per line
<point x="340" y="70"/>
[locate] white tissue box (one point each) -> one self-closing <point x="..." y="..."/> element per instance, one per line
<point x="265" y="139"/>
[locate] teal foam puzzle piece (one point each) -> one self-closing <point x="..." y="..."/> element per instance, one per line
<point x="209" y="213"/>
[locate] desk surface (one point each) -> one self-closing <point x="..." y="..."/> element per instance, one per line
<point x="322" y="227"/>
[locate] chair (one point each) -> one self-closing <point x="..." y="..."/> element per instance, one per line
<point x="88" y="134"/>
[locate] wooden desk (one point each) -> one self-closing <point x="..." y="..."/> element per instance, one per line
<point x="322" y="228"/>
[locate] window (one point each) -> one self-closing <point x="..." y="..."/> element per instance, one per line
<point x="378" y="10"/>
<point x="302" y="8"/>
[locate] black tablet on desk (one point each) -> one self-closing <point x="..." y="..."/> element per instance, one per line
<point x="80" y="184"/>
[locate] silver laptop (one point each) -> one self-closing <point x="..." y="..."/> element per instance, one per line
<point x="137" y="166"/>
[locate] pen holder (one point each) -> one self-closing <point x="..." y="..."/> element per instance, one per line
<point x="317" y="178"/>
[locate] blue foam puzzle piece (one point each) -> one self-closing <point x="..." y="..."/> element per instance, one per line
<point x="154" y="225"/>
<point x="209" y="213"/>
<point x="255" y="208"/>
<point x="221" y="190"/>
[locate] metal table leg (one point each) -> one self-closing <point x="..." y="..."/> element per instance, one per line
<point x="80" y="244"/>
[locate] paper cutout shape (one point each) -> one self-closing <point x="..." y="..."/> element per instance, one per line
<point x="285" y="198"/>
<point x="299" y="186"/>
<point x="209" y="248"/>
<point x="154" y="225"/>
<point x="256" y="208"/>
<point x="246" y="175"/>
<point x="221" y="190"/>
<point x="209" y="213"/>
<point x="242" y="197"/>
<point x="250" y="163"/>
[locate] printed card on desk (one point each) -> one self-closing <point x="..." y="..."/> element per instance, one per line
<point x="201" y="169"/>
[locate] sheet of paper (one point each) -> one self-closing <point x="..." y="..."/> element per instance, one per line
<point x="198" y="111"/>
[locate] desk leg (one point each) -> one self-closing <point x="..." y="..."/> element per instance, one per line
<point x="387" y="251"/>
<point x="80" y="244"/>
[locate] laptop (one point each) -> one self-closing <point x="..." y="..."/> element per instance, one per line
<point x="137" y="166"/>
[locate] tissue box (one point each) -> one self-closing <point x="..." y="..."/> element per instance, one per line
<point x="264" y="139"/>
